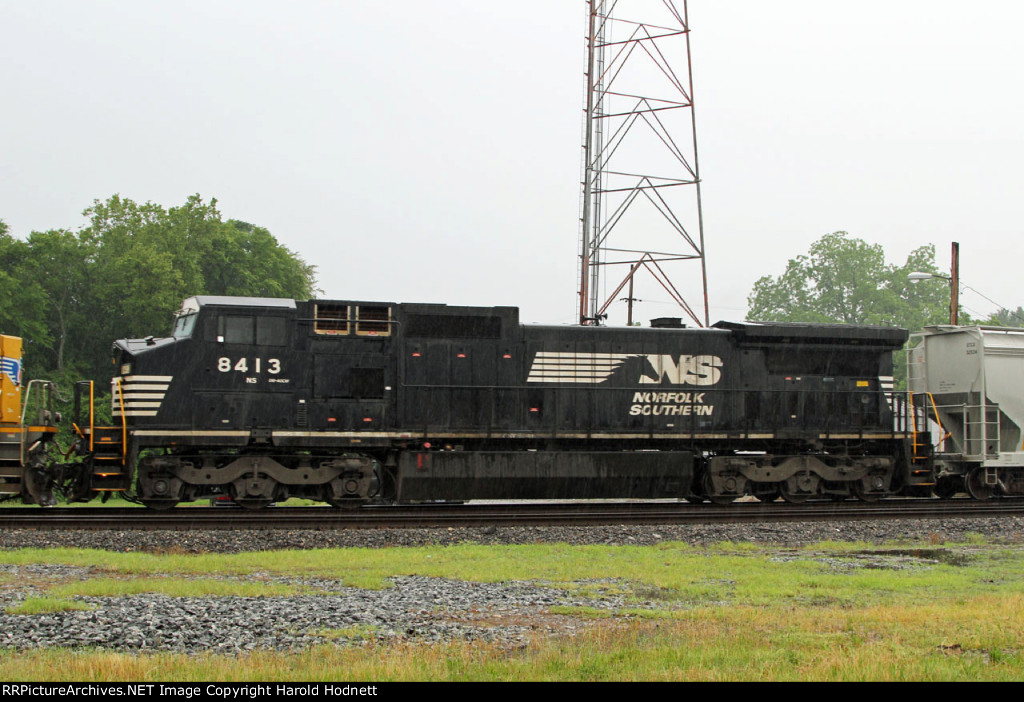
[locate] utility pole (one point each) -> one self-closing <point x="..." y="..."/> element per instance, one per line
<point x="954" y="285"/>
<point x="953" y="280"/>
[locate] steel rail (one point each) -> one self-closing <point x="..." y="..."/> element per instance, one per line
<point x="488" y="515"/>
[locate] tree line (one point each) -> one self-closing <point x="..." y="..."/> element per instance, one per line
<point x="845" y="280"/>
<point x="70" y="294"/>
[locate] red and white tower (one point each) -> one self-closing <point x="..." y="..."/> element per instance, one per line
<point x="641" y="223"/>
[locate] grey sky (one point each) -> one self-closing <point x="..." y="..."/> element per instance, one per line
<point x="430" y="151"/>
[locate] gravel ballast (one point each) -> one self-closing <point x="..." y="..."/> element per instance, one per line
<point x="421" y="609"/>
<point x="777" y="533"/>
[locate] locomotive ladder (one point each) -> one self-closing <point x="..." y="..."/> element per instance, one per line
<point x="923" y="449"/>
<point x="922" y="437"/>
<point x="107" y="457"/>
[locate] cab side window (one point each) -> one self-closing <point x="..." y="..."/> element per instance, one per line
<point x="237" y="329"/>
<point x="249" y="330"/>
<point x="271" y="331"/>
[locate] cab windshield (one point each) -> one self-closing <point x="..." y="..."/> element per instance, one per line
<point x="184" y="322"/>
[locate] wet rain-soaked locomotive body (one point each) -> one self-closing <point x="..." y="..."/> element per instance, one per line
<point x="353" y="402"/>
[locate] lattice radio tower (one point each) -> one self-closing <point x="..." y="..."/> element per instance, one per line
<point x="640" y="208"/>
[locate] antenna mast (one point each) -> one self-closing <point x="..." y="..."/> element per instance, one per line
<point x="640" y="206"/>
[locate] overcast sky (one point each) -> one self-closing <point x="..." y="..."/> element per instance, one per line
<point x="429" y="150"/>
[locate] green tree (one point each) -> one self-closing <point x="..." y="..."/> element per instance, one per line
<point x="23" y="312"/>
<point x="844" y="280"/>
<point x="1006" y="318"/>
<point x="70" y="294"/>
<point x="58" y="271"/>
<point x="247" y="260"/>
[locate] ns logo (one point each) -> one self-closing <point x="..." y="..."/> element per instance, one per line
<point x="682" y="370"/>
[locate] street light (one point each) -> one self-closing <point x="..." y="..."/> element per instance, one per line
<point x="953" y="279"/>
<point x="917" y="277"/>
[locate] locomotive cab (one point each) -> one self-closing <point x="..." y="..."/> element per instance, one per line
<point x="220" y="360"/>
<point x="255" y="398"/>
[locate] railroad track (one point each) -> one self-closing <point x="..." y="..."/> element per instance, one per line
<point x="490" y="514"/>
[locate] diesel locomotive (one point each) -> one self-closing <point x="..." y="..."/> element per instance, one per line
<point x="355" y="402"/>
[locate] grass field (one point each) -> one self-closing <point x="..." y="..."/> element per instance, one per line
<point x="729" y="612"/>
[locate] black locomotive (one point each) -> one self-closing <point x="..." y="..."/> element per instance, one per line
<point x="352" y="402"/>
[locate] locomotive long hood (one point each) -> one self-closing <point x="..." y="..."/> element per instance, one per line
<point x="859" y="334"/>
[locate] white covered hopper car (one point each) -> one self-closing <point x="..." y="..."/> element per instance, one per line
<point x="969" y="381"/>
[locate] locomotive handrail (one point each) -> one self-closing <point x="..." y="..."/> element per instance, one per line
<point x="92" y="419"/>
<point x="23" y="434"/>
<point x="935" y="410"/>
<point x="943" y="434"/>
<point x="124" y="421"/>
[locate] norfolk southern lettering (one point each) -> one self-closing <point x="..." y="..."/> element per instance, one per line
<point x="682" y="370"/>
<point x="670" y="404"/>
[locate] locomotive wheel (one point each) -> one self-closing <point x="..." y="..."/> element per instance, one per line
<point x="254" y="492"/>
<point x="799" y="488"/>
<point x="251" y="503"/>
<point x="350" y="504"/>
<point x="155" y="503"/>
<point x="858" y="491"/>
<point x="976" y="486"/>
<point x="795" y="498"/>
<point x="709" y="488"/>
<point x="870" y="489"/>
